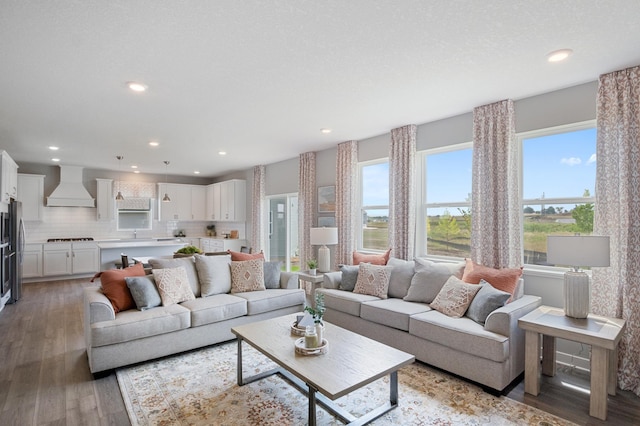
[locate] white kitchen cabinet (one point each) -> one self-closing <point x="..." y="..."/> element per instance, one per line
<point x="198" y="202"/>
<point x="105" y="203"/>
<point x="213" y="202"/>
<point x="32" y="260"/>
<point x="70" y="258"/>
<point x="228" y="201"/>
<point x="209" y="245"/>
<point x="85" y="258"/>
<point x="192" y="242"/>
<point x="187" y="202"/>
<point x="8" y="178"/>
<point x="31" y="194"/>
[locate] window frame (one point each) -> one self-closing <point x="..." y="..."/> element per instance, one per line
<point x="362" y="207"/>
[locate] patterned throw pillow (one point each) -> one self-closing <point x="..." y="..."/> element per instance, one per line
<point x="373" y="280"/>
<point x="455" y="297"/>
<point x="247" y="275"/>
<point x="173" y="285"/>
<point x="374" y="259"/>
<point x="504" y="279"/>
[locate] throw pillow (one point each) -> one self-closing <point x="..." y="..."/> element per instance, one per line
<point x="173" y="285"/>
<point x="115" y="287"/>
<point x="189" y="265"/>
<point x="401" y="275"/>
<point x="429" y="279"/>
<point x="374" y="259"/>
<point x="504" y="279"/>
<point x="247" y="275"/>
<point x="486" y="301"/>
<point x="373" y="280"/>
<point x="349" y="277"/>
<point x="144" y="292"/>
<point x="455" y="297"/>
<point x="272" y="274"/>
<point x="239" y="256"/>
<point x="214" y="274"/>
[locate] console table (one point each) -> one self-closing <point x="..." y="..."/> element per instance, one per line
<point x="602" y="333"/>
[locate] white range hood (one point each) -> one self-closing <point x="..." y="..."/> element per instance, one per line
<point x="70" y="191"/>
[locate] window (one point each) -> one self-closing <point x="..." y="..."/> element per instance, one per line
<point x="446" y="224"/>
<point x="558" y="185"/>
<point x="131" y="220"/>
<point x="374" y="179"/>
<point x="282" y="231"/>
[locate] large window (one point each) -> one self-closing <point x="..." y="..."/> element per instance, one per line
<point x="374" y="179"/>
<point x="447" y="208"/>
<point x="558" y="182"/>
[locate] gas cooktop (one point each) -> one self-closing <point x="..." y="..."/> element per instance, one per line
<point x="64" y="240"/>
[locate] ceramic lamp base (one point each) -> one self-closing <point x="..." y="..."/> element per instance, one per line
<point x="324" y="259"/>
<point x="576" y="294"/>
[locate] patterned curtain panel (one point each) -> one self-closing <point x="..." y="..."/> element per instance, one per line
<point x="615" y="291"/>
<point x="402" y="204"/>
<point x="306" y="205"/>
<point x="257" y="213"/>
<point x="495" y="206"/>
<point x="346" y="205"/>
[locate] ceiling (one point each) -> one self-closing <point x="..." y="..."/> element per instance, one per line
<point x="259" y="79"/>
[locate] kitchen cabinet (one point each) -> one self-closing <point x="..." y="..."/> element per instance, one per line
<point x="192" y="242"/>
<point x="198" y="202"/>
<point x="85" y="258"/>
<point x="70" y="258"/>
<point x="32" y="261"/>
<point x="227" y="201"/>
<point x="187" y="202"/>
<point x="8" y="178"/>
<point x="213" y="202"/>
<point x="105" y="203"/>
<point x="209" y="245"/>
<point x="31" y="194"/>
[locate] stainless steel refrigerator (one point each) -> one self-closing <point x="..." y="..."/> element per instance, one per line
<point x="16" y="249"/>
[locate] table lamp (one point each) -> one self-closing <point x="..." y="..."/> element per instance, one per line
<point x="577" y="251"/>
<point x="324" y="237"/>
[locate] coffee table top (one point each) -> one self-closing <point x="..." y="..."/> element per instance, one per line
<point x="351" y="361"/>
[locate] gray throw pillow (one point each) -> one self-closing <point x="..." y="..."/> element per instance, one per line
<point x="189" y="265"/>
<point x="429" y="279"/>
<point x="401" y="274"/>
<point x="487" y="300"/>
<point x="214" y="274"/>
<point x="144" y="292"/>
<point x="272" y="274"/>
<point x="349" y="277"/>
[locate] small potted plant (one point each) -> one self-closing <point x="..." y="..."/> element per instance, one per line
<point x="187" y="251"/>
<point x="317" y="313"/>
<point x="312" y="264"/>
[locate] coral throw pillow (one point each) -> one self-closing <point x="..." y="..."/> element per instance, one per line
<point x="374" y="259"/>
<point x="115" y="287"/>
<point x="504" y="279"/>
<point x="239" y="256"/>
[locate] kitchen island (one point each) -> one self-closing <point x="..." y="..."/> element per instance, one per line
<point x="111" y="251"/>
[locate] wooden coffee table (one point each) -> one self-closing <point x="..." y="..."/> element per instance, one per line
<point x="352" y="361"/>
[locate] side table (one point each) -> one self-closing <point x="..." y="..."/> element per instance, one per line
<point x="313" y="280"/>
<point x="602" y="333"/>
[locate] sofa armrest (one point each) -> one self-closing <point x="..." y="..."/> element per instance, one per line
<point x="332" y="280"/>
<point x="288" y="280"/>
<point x="97" y="306"/>
<point x="504" y="320"/>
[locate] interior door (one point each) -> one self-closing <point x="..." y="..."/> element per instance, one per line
<point x="282" y="230"/>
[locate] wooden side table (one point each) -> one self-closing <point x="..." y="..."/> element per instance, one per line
<point x="602" y="333"/>
<point x="314" y="280"/>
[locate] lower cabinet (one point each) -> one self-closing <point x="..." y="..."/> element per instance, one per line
<point x="32" y="261"/>
<point x="70" y="258"/>
<point x="209" y="245"/>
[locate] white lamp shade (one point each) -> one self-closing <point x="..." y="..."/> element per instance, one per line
<point x="323" y="236"/>
<point x="578" y="250"/>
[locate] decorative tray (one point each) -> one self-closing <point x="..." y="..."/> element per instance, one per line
<point x="297" y="331"/>
<point x="322" y="349"/>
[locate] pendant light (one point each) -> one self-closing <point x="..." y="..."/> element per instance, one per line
<point x="166" y="198"/>
<point x="119" y="196"/>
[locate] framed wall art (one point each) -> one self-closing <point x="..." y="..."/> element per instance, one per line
<point x="327" y="199"/>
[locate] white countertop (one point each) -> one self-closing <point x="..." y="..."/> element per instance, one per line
<point x="131" y="243"/>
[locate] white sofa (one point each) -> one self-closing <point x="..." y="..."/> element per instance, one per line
<point x="491" y="354"/>
<point x="117" y="339"/>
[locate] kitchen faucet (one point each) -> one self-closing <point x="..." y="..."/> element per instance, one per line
<point x="135" y="234"/>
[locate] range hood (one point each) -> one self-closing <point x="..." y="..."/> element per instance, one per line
<point x="70" y="191"/>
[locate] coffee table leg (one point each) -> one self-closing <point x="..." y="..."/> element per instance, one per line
<point x="393" y="389"/>
<point x="312" y="406"/>
<point x="239" y="367"/>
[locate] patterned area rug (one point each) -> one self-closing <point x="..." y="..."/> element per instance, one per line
<point x="199" y="388"/>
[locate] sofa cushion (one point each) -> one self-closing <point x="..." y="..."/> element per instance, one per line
<point x="214" y="274"/>
<point x="115" y="287"/>
<point x="344" y="301"/>
<point x="189" y="265"/>
<point x="429" y="278"/>
<point x="133" y="324"/>
<point x="272" y="299"/>
<point x="504" y="279"/>
<point x="272" y="274"/>
<point x="349" y="277"/>
<point x="173" y="285"/>
<point x="391" y="312"/>
<point x="373" y="280"/>
<point x="144" y="292"/>
<point x="374" y="259"/>
<point x="247" y="275"/>
<point x="239" y="256"/>
<point x="486" y="301"/>
<point x="401" y="276"/>
<point x="462" y="334"/>
<point x="455" y="297"/>
<point x="215" y="308"/>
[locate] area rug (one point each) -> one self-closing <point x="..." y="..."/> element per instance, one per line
<point x="199" y="388"/>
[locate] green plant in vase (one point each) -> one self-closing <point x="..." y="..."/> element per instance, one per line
<point x="312" y="264"/>
<point x="318" y="312"/>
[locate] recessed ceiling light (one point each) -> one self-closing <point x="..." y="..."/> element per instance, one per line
<point x="222" y="152"/>
<point x="325" y="131"/>
<point x="154" y="143"/>
<point x="137" y="87"/>
<point x="55" y="159"/>
<point x="53" y="148"/>
<point x="559" y="55"/>
<point x="196" y="172"/>
<point x="136" y="171"/>
<point x="133" y="166"/>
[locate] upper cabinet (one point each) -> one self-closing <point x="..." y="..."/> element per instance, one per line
<point x="233" y="200"/>
<point x="213" y="202"/>
<point x="8" y="178"/>
<point x="187" y="202"/>
<point x="31" y="195"/>
<point x="198" y="202"/>
<point x="105" y="200"/>
<point x="224" y="201"/>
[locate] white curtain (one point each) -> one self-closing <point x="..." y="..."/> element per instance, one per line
<point x="615" y="291"/>
<point x="346" y="205"/>
<point x="257" y="213"/>
<point x="495" y="205"/>
<point x="402" y="204"/>
<point x="306" y="205"/>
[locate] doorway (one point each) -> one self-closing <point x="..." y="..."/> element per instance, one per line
<point x="282" y="230"/>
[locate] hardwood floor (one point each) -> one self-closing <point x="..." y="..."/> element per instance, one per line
<point x="45" y="379"/>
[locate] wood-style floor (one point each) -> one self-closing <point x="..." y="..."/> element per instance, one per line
<point x="45" y="379"/>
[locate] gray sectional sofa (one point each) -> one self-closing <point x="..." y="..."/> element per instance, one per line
<point x="131" y="336"/>
<point x="491" y="354"/>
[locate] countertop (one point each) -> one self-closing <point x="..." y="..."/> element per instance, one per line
<point x="141" y="243"/>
